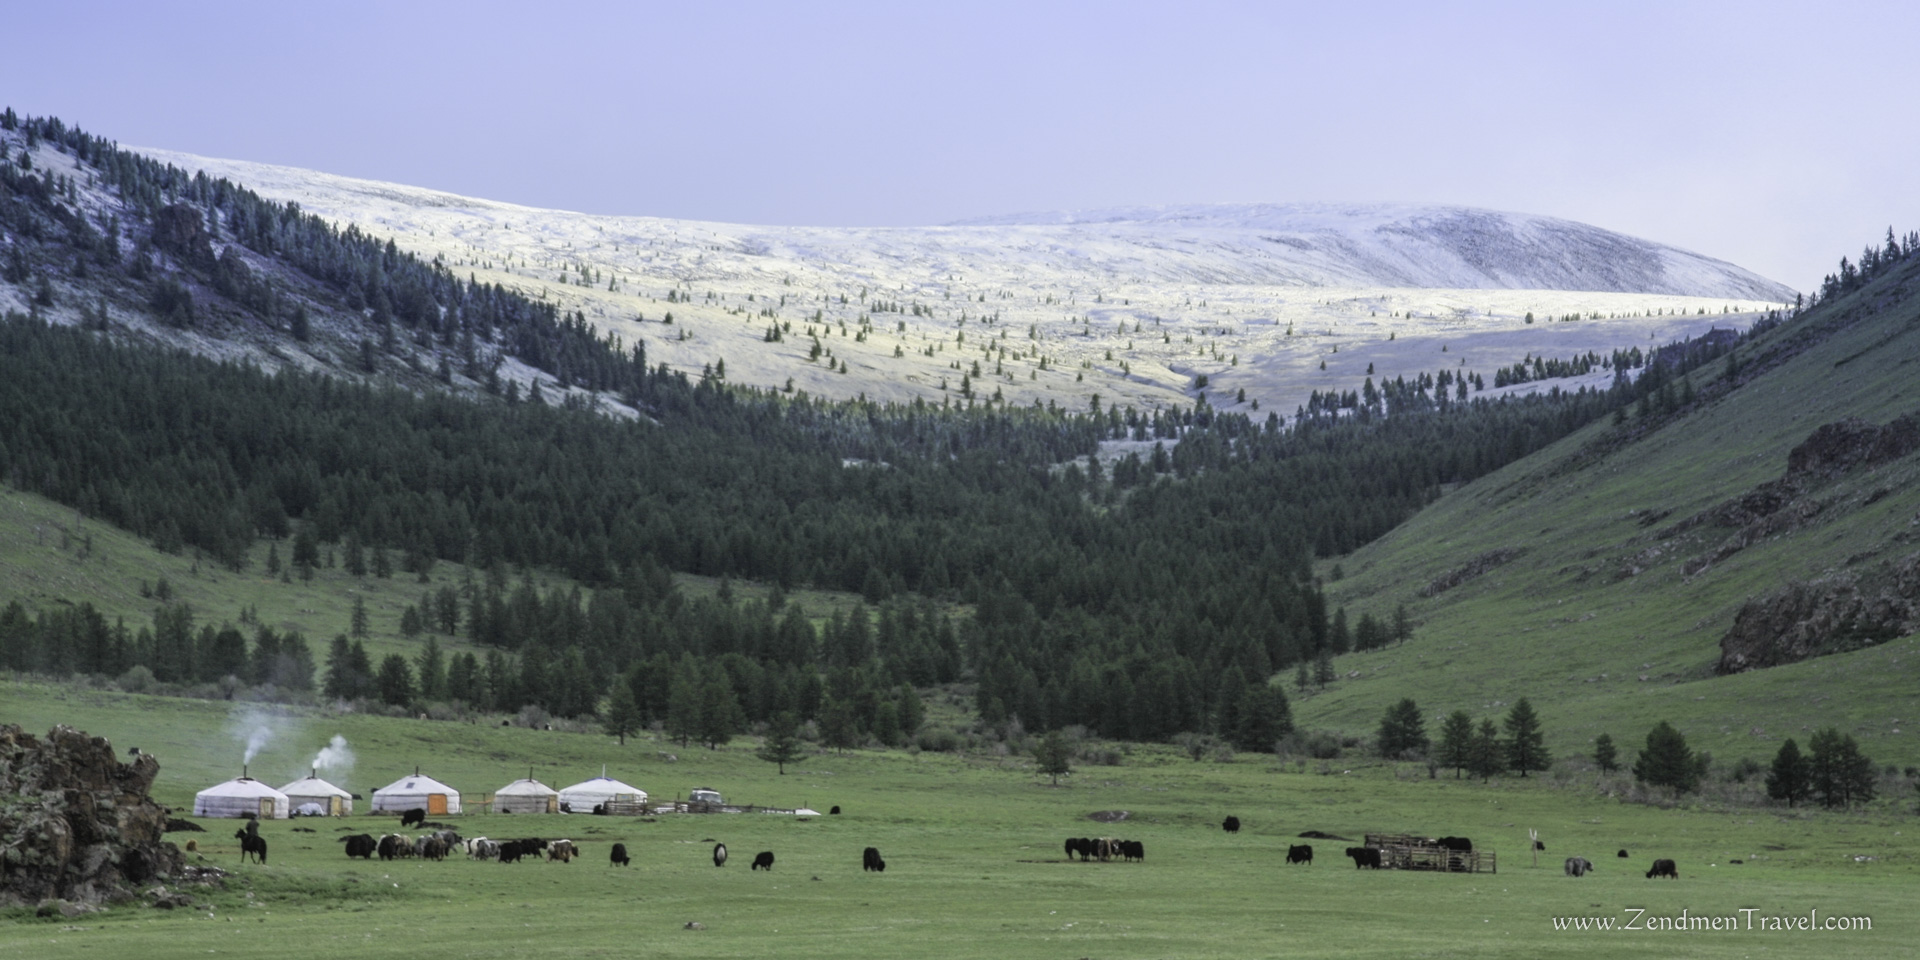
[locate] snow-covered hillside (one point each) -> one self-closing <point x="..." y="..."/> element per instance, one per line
<point x="1395" y="245"/>
<point x="1129" y="305"/>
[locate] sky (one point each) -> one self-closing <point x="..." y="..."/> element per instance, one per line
<point x="1774" y="135"/>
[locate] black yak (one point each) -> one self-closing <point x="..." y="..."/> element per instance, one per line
<point x="870" y="860"/>
<point x="361" y="845"/>
<point x="762" y="861"/>
<point x="1230" y="824"/>
<point x="1664" y="868"/>
<point x="619" y="856"/>
<point x="413" y="818"/>
<point x="1300" y="853"/>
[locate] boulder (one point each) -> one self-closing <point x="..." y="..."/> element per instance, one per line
<point x="76" y="824"/>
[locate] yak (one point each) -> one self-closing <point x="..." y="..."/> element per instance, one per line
<point x="1364" y="857"/>
<point x="870" y="860"/>
<point x="763" y="861"/>
<point x="719" y="854"/>
<point x="619" y="855"/>
<point x="1300" y="853"/>
<point x="1664" y="868"/>
<point x="1578" y="866"/>
<point x="413" y="818"/>
<point x="361" y="845"/>
<point x="1230" y="824"/>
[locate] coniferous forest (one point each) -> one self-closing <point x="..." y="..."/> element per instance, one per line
<point x="1142" y="596"/>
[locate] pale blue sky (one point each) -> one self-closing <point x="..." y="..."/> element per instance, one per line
<point x="1777" y="136"/>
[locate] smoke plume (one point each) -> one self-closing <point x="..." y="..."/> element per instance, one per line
<point x="336" y="757"/>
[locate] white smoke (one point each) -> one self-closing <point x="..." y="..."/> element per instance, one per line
<point x="336" y="758"/>
<point x="255" y="729"/>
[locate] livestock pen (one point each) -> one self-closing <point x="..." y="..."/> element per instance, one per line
<point x="1400" y="851"/>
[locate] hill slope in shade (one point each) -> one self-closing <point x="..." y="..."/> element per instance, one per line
<point x="1600" y="576"/>
<point x="1129" y="306"/>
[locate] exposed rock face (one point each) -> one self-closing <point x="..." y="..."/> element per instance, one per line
<point x="1472" y="568"/>
<point x="75" y="823"/>
<point x="1850" y="444"/>
<point x="1831" y="615"/>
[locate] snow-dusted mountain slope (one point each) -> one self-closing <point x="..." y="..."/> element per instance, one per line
<point x="1132" y="306"/>
<point x="1400" y="245"/>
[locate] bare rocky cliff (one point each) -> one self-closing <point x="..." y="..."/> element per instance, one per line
<point x="76" y="824"/>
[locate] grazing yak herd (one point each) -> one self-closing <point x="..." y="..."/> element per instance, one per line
<point x="1105" y="848"/>
<point x="441" y="842"/>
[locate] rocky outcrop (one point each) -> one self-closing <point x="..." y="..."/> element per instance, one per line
<point x="1831" y="615"/>
<point x="1850" y="444"/>
<point x="1467" y="571"/>
<point x="76" y="824"/>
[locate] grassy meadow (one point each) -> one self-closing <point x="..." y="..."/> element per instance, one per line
<point x="973" y="846"/>
<point x="1599" y="622"/>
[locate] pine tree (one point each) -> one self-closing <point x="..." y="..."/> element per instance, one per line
<point x="1790" y="778"/>
<point x="1667" y="761"/>
<point x="1486" y="758"/>
<point x="1456" y="742"/>
<point x="683" y="702"/>
<point x="432" y="671"/>
<point x="1323" y="669"/>
<point x="1054" y="756"/>
<point x="1838" y="774"/>
<point x="623" y="712"/>
<point x="839" y="729"/>
<point x="396" y="681"/>
<point x="1526" y="745"/>
<point x="359" y="627"/>
<point x="1402" y="731"/>
<point x="782" y="744"/>
<point x="1604" y="755"/>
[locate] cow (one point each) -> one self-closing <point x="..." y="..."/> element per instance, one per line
<point x="763" y="861"/>
<point x="1623" y="854"/>
<point x="1133" y="850"/>
<point x="561" y="850"/>
<point x="1664" y="868"/>
<point x="619" y="855"/>
<point x="1230" y="824"/>
<point x="361" y="845"/>
<point x="251" y="845"/>
<point x="1364" y="857"/>
<point x="719" y="854"/>
<point x="413" y="818"/>
<point x="870" y="860"/>
<point x="1300" y="853"/>
<point x="1461" y="844"/>
<point x="1579" y="866"/>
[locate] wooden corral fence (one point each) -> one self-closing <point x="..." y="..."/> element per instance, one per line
<point x="1400" y="851"/>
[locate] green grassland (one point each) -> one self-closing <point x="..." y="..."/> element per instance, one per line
<point x="975" y="865"/>
<point x="1596" y="621"/>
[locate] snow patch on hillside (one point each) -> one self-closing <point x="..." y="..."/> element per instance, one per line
<point x="1130" y="306"/>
